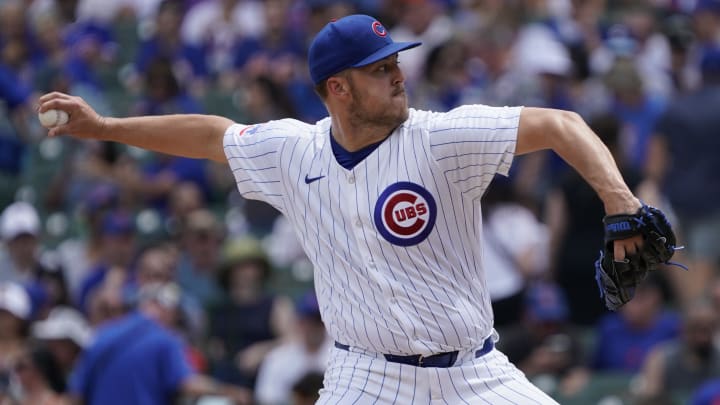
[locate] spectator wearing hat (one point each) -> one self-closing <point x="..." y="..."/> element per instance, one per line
<point x="20" y="232"/>
<point x="307" y="351"/>
<point x="138" y="359"/>
<point x="22" y="262"/>
<point x="100" y="294"/>
<point x="65" y="333"/>
<point x="15" y="312"/>
<point x="251" y="320"/>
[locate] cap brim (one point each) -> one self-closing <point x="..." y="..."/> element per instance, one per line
<point x="386" y="51"/>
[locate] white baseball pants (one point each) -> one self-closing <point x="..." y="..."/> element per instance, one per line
<point x="357" y="377"/>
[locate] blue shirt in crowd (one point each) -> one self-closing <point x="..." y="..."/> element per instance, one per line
<point x="146" y="364"/>
<point x="622" y="348"/>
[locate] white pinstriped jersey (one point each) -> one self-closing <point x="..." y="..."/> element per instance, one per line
<point x="396" y="241"/>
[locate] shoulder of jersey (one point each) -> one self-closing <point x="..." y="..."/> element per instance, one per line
<point x="418" y="117"/>
<point x="286" y="127"/>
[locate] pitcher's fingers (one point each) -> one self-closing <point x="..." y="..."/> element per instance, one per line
<point x="52" y="96"/>
<point x="59" y="130"/>
<point x="630" y="247"/>
<point x="66" y="105"/>
<point x="619" y="250"/>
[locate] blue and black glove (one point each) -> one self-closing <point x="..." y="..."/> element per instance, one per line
<point x="617" y="280"/>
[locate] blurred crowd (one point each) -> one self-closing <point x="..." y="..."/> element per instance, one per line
<point x="114" y="258"/>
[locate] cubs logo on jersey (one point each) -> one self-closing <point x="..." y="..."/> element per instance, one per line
<point x="405" y="213"/>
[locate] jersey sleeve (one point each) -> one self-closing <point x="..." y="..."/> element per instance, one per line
<point x="471" y="143"/>
<point x="253" y="153"/>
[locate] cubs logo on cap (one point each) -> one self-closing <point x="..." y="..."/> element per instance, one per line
<point x="352" y="41"/>
<point x="379" y="29"/>
<point x="405" y="213"/>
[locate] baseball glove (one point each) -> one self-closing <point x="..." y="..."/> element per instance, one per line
<point x="617" y="280"/>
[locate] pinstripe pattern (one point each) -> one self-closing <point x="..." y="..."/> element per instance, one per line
<point x="425" y="298"/>
<point x="383" y="291"/>
<point x="357" y="378"/>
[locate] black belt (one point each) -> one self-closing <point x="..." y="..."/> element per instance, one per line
<point x="443" y="360"/>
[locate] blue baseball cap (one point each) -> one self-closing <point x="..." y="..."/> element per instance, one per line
<point x="353" y="41"/>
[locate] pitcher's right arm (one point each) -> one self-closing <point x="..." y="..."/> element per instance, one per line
<point x="188" y="135"/>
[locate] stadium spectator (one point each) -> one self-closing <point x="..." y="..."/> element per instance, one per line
<point x="20" y="231"/>
<point x="184" y="198"/>
<point x="138" y="359"/>
<point x="65" y="333"/>
<point x="516" y="251"/>
<point x="678" y="368"/>
<point x="544" y="344"/>
<point x="187" y="60"/>
<point x="15" y="311"/>
<point x="201" y="240"/>
<point x="705" y="26"/>
<point x="447" y="80"/>
<point x="117" y="252"/>
<point x="689" y="180"/>
<point x="277" y="53"/>
<point x="251" y="320"/>
<point x="265" y="99"/>
<point x="162" y="91"/>
<point x="21" y="260"/>
<point x="15" y="90"/>
<point x="624" y="338"/>
<point x="218" y="25"/>
<point x="157" y="263"/>
<point x="286" y="364"/>
<point x="424" y="21"/>
<point x="637" y="110"/>
<point x="162" y="173"/>
<point x="77" y="255"/>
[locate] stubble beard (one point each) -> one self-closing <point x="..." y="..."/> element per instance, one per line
<point x="385" y="116"/>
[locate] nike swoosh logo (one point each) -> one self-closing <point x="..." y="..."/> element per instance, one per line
<point x="309" y="180"/>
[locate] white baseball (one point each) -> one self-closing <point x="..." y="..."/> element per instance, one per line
<point x="53" y="118"/>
